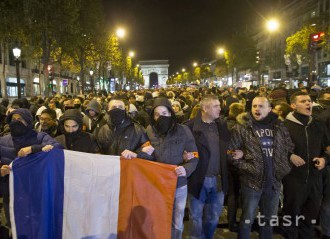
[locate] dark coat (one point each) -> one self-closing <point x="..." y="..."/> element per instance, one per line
<point x="169" y="148"/>
<point x="196" y="180"/>
<point x="9" y="147"/>
<point x="129" y="135"/>
<point x="83" y="142"/>
<point x="310" y="142"/>
<point x="251" y="167"/>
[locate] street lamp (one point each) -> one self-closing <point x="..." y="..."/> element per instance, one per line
<point x="221" y="51"/>
<point x="195" y="64"/>
<point x="91" y="72"/>
<point x="131" y="54"/>
<point x="272" y="25"/>
<point x="17" y="54"/>
<point x="120" y="32"/>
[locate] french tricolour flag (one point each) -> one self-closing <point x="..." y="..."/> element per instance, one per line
<point x="67" y="194"/>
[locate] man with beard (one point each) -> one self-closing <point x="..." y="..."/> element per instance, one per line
<point x="74" y="138"/>
<point x="121" y="136"/>
<point x="169" y="142"/>
<point x="21" y="141"/>
<point x="302" y="188"/>
<point x="48" y="123"/>
<point x="260" y="146"/>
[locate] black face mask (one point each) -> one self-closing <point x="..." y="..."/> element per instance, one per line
<point x="72" y="135"/>
<point x="77" y="106"/>
<point x="17" y="128"/>
<point x="117" y="116"/>
<point x="163" y="124"/>
<point x="69" y="108"/>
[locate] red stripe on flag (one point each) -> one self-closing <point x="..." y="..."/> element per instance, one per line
<point x="146" y="199"/>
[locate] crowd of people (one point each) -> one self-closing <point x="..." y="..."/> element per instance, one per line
<point x="262" y="150"/>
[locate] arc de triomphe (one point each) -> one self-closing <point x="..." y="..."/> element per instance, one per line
<point x="155" y="73"/>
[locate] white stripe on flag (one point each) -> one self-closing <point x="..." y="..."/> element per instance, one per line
<point x="11" y="203"/>
<point x="91" y="195"/>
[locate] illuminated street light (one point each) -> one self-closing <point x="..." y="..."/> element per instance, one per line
<point x="183" y="69"/>
<point x="131" y="54"/>
<point x="17" y="54"/>
<point x="195" y="64"/>
<point x="221" y="51"/>
<point x="91" y="72"/>
<point x="272" y="25"/>
<point x="120" y="32"/>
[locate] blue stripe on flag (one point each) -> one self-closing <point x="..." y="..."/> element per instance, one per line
<point x="38" y="195"/>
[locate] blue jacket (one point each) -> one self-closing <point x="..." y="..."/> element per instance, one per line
<point x="9" y="145"/>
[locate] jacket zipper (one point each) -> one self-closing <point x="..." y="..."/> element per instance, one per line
<point x="306" y="133"/>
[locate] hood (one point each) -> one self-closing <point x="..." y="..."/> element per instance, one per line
<point x="26" y="115"/>
<point x="39" y="111"/>
<point x="161" y="102"/>
<point x="72" y="114"/>
<point x="95" y="106"/>
<point x="291" y="117"/>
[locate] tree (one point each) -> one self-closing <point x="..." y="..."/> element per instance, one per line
<point x="299" y="42"/>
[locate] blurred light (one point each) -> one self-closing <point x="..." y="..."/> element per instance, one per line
<point x="183" y="69"/>
<point x="221" y="51"/>
<point x="131" y="54"/>
<point x="17" y="52"/>
<point x="272" y="25"/>
<point x="91" y="72"/>
<point x="120" y="32"/>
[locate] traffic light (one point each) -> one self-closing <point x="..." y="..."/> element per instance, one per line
<point x="316" y="40"/>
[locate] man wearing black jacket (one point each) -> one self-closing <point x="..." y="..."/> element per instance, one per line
<point x="303" y="185"/>
<point x="209" y="182"/>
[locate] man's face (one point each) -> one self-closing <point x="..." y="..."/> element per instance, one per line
<point x="326" y="96"/>
<point x="212" y="109"/>
<point x="70" y="126"/>
<point x="52" y="105"/>
<point x="68" y="103"/>
<point x="260" y="108"/>
<point x="116" y="104"/>
<point x="161" y="111"/>
<point x="77" y="101"/>
<point x="176" y="108"/>
<point x="19" y="118"/>
<point x="46" y="121"/>
<point x="92" y="113"/>
<point x="303" y="105"/>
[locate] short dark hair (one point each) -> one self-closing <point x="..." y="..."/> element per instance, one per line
<point x="52" y="113"/>
<point x="293" y="97"/>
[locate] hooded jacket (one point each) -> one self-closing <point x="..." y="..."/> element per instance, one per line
<point x="251" y="166"/>
<point x="93" y="125"/>
<point x="169" y="148"/>
<point x="79" y="140"/>
<point x="10" y="145"/>
<point x="310" y="142"/>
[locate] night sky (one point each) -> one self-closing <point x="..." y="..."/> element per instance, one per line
<point x="183" y="31"/>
